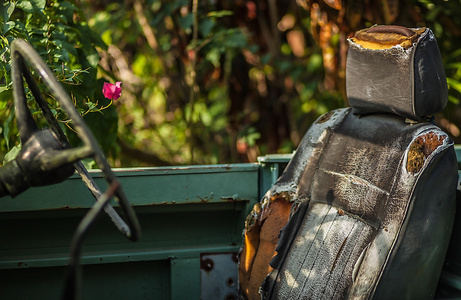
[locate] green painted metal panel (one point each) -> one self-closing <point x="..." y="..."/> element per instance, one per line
<point x="148" y="186"/>
<point x="137" y="280"/>
<point x="185" y="277"/>
<point x="458" y="155"/>
<point x="271" y="167"/>
<point x="184" y="212"/>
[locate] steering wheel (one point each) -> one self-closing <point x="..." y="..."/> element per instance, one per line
<point x="48" y="152"/>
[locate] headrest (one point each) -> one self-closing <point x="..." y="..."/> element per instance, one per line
<point x="394" y="69"/>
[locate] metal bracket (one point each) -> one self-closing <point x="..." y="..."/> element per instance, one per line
<point x="219" y="276"/>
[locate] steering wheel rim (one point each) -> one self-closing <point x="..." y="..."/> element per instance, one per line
<point x="22" y="52"/>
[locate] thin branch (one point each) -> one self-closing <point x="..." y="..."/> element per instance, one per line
<point x="270" y="40"/>
<point x="126" y="74"/>
<point x="274" y="19"/>
<point x="148" y="32"/>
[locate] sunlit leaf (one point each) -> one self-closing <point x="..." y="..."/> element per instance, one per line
<point x="206" y="26"/>
<point x="220" y="14"/>
<point x="6" y="9"/>
<point x="453" y="99"/>
<point x="6" y="96"/>
<point x="32" y="6"/>
<point x="6" y="128"/>
<point x="8" y="26"/>
<point x="454" y="84"/>
<point x="10" y="155"/>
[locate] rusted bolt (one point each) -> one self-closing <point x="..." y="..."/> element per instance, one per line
<point x="207" y="264"/>
<point x="231" y="297"/>
<point x="230" y="282"/>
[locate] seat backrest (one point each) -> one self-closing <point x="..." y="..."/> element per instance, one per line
<point x="371" y="188"/>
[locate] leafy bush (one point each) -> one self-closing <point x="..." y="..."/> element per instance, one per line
<point x="204" y="85"/>
<point x="210" y="82"/>
<point x="62" y="37"/>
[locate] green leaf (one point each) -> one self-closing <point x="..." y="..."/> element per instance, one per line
<point x="214" y="56"/>
<point x="98" y="40"/>
<point x="8" y="26"/>
<point x="186" y="22"/>
<point x="69" y="48"/>
<point x="32" y="6"/>
<point x="66" y="10"/>
<point x="89" y="163"/>
<point x="3" y="88"/>
<point x="61" y="55"/>
<point x="234" y="38"/>
<point x="315" y="63"/>
<point x="107" y="37"/>
<point x="91" y="106"/>
<point x="453" y="99"/>
<point x="93" y="58"/>
<point x="206" y="26"/>
<point x="6" y="10"/>
<point x="6" y="128"/>
<point x="6" y="95"/>
<point x="220" y="13"/>
<point x="456" y="65"/>
<point x="11" y="154"/>
<point x="454" y="84"/>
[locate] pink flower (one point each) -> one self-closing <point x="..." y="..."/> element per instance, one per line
<point x="112" y="91"/>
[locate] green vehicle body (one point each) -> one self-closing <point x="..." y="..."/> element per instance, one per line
<point x="192" y="219"/>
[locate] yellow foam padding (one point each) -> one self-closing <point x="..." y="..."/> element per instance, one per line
<point x="260" y="242"/>
<point x="385" y="40"/>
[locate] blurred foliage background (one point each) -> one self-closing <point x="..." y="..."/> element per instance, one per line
<point x="208" y="81"/>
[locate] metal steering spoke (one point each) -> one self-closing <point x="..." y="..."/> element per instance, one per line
<point x="22" y="52"/>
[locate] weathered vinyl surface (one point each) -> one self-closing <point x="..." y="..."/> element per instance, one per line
<point x="372" y="187"/>
<point x="360" y="205"/>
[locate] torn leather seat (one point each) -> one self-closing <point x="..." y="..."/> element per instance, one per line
<point x="369" y="197"/>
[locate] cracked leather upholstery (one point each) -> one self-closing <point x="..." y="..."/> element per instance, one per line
<point x="372" y="195"/>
